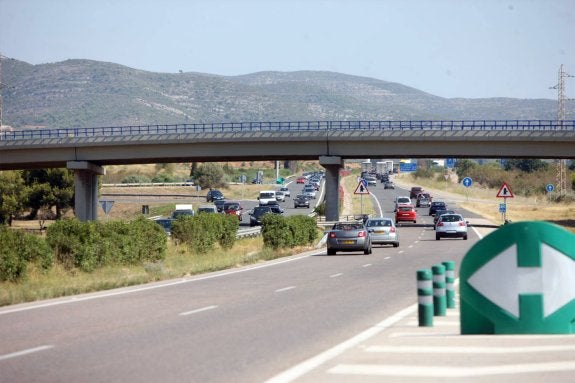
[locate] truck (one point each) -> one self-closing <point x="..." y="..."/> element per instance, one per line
<point x="183" y="209"/>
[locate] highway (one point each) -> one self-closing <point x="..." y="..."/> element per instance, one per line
<point x="241" y="325"/>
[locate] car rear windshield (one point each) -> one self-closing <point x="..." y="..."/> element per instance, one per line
<point x="383" y="222"/>
<point x="348" y="226"/>
<point x="451" y="218"/>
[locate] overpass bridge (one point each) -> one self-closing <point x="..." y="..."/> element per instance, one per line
<point x="88" y="150"/>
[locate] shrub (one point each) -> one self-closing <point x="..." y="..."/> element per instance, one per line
<point x="18" y="250"/>
<point x="135" y="179"/>
<point x="280" y="232"/>
<point x="202" y="231"/>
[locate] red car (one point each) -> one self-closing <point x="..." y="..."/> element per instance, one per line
<point x="405" y="212"/>
<point x="233" y="208"/>
<point x="301" y="180"/>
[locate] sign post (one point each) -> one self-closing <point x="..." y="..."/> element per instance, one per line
<point x="361" y="189"/>
<point x="467" y="182"/>
<point x="504" y="192"/>
<point x="520" y="279"/>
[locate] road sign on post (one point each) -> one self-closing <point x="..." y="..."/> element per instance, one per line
<point x="520" y="279"/>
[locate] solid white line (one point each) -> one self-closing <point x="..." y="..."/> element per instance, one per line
<point x="123" y="291"/>
<point x="285" y="289"/>
<point x="336" y="275"/>
<point x="25" y="352"/>
<point x="449" y="372"/>
<point x="300" y="369"/>
<point x="198" y="310"/>
<point x="469" y="350"/>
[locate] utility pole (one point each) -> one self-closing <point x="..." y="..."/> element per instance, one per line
<point x="561" y="177"/>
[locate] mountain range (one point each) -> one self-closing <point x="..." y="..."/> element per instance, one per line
<point x="87" y="93"/>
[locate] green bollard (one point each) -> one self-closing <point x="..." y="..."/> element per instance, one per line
<point x="439" y="298"/>
<point x="449" y="283"/>
<point x="425" y="298"/>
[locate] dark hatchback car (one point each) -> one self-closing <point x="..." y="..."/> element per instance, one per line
<point x="437" y="205"/>
<point x="300" y="201"/>
<point x="214" y="195"/>
<point x="258" y="213"/>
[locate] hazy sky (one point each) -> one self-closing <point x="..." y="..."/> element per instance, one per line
<point x="449" y="48"/>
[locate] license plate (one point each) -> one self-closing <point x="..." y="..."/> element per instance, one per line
<point x="348" y="242"/>
<point x="380" y="231"/>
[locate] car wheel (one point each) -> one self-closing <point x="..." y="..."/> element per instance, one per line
<point x="330" y="252"/>
<point x="367" y="251"/>
<point x="396" y="244"/>
<point x="465" y="237"/>
<point x="437" y="237"/>
<point x="414" y="221"/>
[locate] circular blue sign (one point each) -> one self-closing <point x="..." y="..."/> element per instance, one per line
<point x="467" y="181"/>
<point x="549" y="188"/>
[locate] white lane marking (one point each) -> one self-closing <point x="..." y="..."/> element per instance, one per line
<point x="308" y="365"/>
<point x="449" y="372"/>
<point x="378" y="204"/>
<point x="147" y="287"/>
<point x="387" y="258"/>
<point x="410" y="246"/>
<point x="197" y="310"/>
<point x="367" y="265"/>
<point x="416" y="241"/>
<point x="470" y="350"/>
<point x="25" y="352"/>
<point x="336" y="275"/>
<point x="285" y="289"/>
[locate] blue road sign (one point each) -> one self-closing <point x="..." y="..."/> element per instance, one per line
<point x="549" y="188"/>
<point x="502" y="208"/>
<point x="450" y="163"/>
<point x="467" y="182"/>
<point x="407" y="166"/>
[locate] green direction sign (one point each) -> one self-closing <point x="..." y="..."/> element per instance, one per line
<point x="520" y="279"/>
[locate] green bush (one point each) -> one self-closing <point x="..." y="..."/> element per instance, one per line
<point x="135" y="179"/>
<point x="90" y="245"/>
<point x="18" y="250"/>
<point x="202" y="231"/>
<point x="280" y="232"/>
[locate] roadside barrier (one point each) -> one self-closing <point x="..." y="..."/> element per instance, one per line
<point x="439" y="298"/>
<point x="425" y="298"/>
<point x="449" y="283"/>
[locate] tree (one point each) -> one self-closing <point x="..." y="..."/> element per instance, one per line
<point x="464" y="167"/>
<point x="209" y="175"/>
<point x="48" y="188"/>
<point x="12" y="195"/>
<point x="526" y="165"/>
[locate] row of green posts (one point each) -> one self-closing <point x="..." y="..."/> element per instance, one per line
<point x="435" y="292"/>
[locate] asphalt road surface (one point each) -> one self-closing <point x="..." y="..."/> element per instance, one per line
<point x="241" y="325"/>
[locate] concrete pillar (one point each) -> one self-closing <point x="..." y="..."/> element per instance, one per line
<point x="332" y="164"/>
<point x="86" y="189"/>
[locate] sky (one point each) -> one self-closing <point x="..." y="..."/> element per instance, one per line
<point x="448" y="48"/>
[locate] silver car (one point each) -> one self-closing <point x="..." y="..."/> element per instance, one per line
<point x="348" y="236"/>
<point x="382" y="231"/>
<point x="452" y="226"/>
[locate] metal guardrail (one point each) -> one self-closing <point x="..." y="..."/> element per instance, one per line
<point x="288" y="126"/>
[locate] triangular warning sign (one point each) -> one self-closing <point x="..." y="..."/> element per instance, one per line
<point x="361" y="189"/>
<point x="504" y="191"/>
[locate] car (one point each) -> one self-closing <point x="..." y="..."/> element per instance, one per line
<point x="451" y="226"/>
<point x="424" y="195"/>
<point x="415" y="191"/>
<point x="406" y="212"/>
<point x="207" y="209"/>
<point x="267" y="196"/>
<point x="166" y="224"/>
<point x="233" y="208"/>
<point x="301" y="200"/>
<point x="384" y="178"/>
<point x="314" y="184"/>
<point x="276" y="209"/>
<point x="437" y="205"/>
<point x="439" y="213"/>
<point x="371" y="181"/>
<point x="382" y="231"/>
<point x="286" y="191"/>
<point x="214" y="195"/>
<point x="220" y="205"/>
<point x="301" y="180"/>
<point x="348" y="236"/>
<point x="280" y="196"/>
<point x="422" y="202"/>
<point x="309" y="191"/>
<point x="257" y="214"/>
<point x="388" y="185"/>
<point x="402" y="200"/>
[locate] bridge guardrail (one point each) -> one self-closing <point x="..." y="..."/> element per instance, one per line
<point x="286" y="126"/>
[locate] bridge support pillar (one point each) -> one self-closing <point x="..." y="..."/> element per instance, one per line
<point x="86" y="189"/>
<point x="332" y="164"/>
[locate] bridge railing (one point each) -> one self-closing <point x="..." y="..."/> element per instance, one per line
<point x="286" y="126"/>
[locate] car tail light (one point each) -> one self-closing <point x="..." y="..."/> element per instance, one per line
<point x="361" y="234"/>
<point x="392" y="230"/>
<point x="439" y="223"/>
<point x="461" y="223"/>
<point x="332" y="235"/>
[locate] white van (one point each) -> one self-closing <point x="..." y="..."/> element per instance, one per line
<point x="267" y="196"/>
